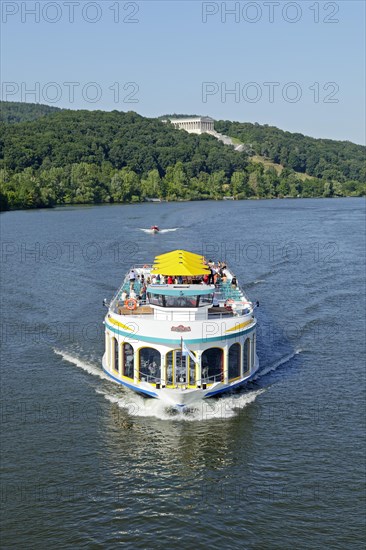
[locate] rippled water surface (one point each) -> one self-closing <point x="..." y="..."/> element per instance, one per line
<point x="278" y="465"/>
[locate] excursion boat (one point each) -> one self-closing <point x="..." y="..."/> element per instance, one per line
<point x="173" y="335"/>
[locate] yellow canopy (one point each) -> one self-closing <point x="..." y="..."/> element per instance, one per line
<point x="179" y="253"/>
<point x="192" y="263"/>
<point x="179" y="262"/>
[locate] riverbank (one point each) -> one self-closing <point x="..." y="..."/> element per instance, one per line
<point x="221" y="199"/>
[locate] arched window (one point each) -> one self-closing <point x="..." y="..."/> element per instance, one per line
<point x="181" y="364"/>
<point x="169" y="365"/>
<point x="234" y="361"/>
<point x="246" y="356"/>
<point x="180" y="369"/>
<point x="107" y="349"/>
<point x="253" y="350"/>
<point x="149" y="365"/>
<point x="114" y="354"/>
<point x="127" y="360"/>
<point x="212" y="365"/>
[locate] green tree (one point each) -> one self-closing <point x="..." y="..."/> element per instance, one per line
<point x="125" y="185"/>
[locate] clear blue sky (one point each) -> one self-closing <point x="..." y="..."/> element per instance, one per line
<point x="175" y="47"/>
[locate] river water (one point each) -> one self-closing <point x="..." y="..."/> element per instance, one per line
<point x="87" y="464"/>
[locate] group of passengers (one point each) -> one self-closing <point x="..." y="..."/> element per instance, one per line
<point x="216" y="277"/>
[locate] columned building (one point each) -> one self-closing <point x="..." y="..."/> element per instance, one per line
<point x="197" y="125"/>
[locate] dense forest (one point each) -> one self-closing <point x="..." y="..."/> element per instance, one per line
<point x="52" y="156"/>
<point x="320" y="158"/>
<point x="12" y="112"/>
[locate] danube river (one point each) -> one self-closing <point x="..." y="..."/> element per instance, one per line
<point x="86" y="464"/>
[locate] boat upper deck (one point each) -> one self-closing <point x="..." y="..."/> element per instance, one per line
<point x="142" y="295"/>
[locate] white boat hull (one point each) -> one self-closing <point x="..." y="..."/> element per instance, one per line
<point x="181" y="397"/>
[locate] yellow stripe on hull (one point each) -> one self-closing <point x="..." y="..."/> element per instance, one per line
<point x="239" y="327"/>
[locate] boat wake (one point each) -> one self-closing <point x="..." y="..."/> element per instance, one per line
<point x="152" y="231"/>
<point x="277" y="364"/>
<point x="208" y="409"/>
<point x="86" y="366"/>
<point x="135" y="405"/>
<point x="254" y="283"/>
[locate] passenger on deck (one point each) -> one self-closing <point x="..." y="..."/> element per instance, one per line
<point x="211" y="279"/>
<point x="233" y="282"/>
<point x="132" y="278"/>
<point x="143" y="293"/>
<point x="170" y="280"/>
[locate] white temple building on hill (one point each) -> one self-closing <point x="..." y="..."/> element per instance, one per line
<point x="194" y="125"/>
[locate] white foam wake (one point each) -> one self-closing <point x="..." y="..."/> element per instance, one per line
<point x="207" y="409"/>
<point x="277" y="364"/>
<point x="249" y="284"/>
<point x="160" y="231"/>
<point x="135" y="405"/>
<point x="86" y="366"/>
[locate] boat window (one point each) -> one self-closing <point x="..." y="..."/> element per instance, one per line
<point x="192" y="371"/>
<point x="107" y="349"/>
<point x="156" y="299"/>
<point x="169" y="368"/>
<point x="127" y="360"/>
<point x="180" y="369"/>
<point x="115" y="354"/>
<point x="253" y="350"/>
<point x="149" y="365"/>
<point x="205" y="299"/>
<point x="234" y="361"/>
<point x="212" y="365"/>
<point x="180" y="301"/>
<point x="246" y="356"/>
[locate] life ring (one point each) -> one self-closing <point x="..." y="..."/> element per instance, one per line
<point x="229" y="303"/>
<point x="131" y="304"/>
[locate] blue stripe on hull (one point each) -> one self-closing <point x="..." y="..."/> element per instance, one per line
<point x="155" y="395"/>
<point x="227" y="388"/>
<point x="130" y="386"/>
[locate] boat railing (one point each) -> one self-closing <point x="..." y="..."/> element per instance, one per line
<point x="229" y="315"/>
<point x="150" y="378"/>
<point x="141" y="266"/>
<point x="212" y="379"/>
